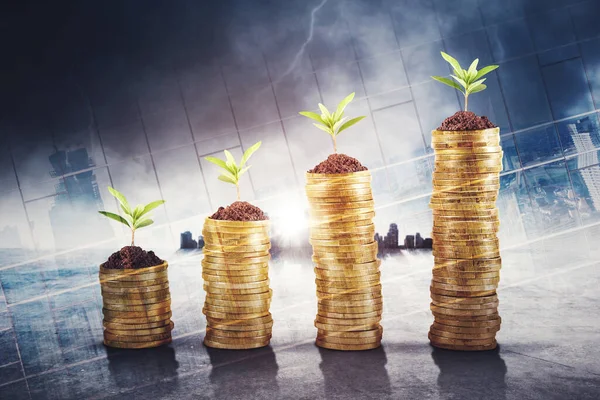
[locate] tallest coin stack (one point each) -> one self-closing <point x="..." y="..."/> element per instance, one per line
<point x="345" y="254"/>
<point x="465" y="244"/>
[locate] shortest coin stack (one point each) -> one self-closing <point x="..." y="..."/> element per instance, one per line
<point x="350" y="301"/>
<point x="136" y="307"/>
<point x="236" y="280"/>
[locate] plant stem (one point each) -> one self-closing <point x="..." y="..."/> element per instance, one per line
<point x="334" y="144"/>
<point x="466" y="101"/>
<point x="237" y="186"/>
<point x="132" y="236"/>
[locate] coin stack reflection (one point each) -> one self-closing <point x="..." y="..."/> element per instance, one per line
<point x="235" y="270"/>
<point x="465" y="244"/>
<point x="347" y="272"/>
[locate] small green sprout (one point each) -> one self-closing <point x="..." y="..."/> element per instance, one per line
<point x="232" y="171"/>
<point x="334" y="123"/>
<point x="134" y="217"/>
<point x="467" y="81"/>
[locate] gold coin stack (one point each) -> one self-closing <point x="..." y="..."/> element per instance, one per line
<point x="345" y="253"/>
<point x="136" y="307"/>
<point x="235" y="270"/>
<point x="465" y="243"/>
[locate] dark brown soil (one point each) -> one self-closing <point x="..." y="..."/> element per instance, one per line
<point x="132" y="257"/>
<point x="338" y="164"/>
<point x="240" y="211"/>
<point x="465" y="121"/>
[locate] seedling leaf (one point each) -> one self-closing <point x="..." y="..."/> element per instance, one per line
<point x="312" y="115"/>
<point x="348" y="124"/>
<point x="248" y="153"/>
<point x="121" y="198"/>
<point x="143" y="222"/>
<point x="116" y="217"/>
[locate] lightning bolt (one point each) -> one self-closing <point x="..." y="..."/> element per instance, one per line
<point x="309" y="39"/>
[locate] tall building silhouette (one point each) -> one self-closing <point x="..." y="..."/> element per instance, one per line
<point x="587" y="160"/>
<point x="73" y="216"/>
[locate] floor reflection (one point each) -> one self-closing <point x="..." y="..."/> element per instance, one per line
<point x="242" y="374"/>
<point x="131" y="368"/>
<point x="474" y="374"/>
<point x="355" y="374"/>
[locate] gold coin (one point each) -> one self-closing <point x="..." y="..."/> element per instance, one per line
<point x="123" y="314"/>
<point x="337" y="182"/>
<point x="137" y="338"/>
<point x="217" y="248"/>
<point x="164" y="305"/>
<point x="448" y="286"/>
<point x="242" y="346"/>
<point x="139" y="278"/>
<point x="235" y="316"/>
<point x="212" y="332"/>
<point x="348" y="176"/>
<point x="136" y="345"/>
<point x="341" y="239"/>
<point x="365" y="327"/>
<point x="479" y="132"/>
<point x="118" y="271"/>
<point x="324" y="285"/>
<point x="375" y="288"/>
<point x="341" y="214"/>
<point x="212" y="242"/>
<point x="264" y="308"/>
<point x="476" y="273"/>
<point x="374" y="332"/>
<point x="470" y="150"/>
<point x="212" y="259"/>
<point x="137" y="296"/>
<point x="211" y="335"/>
<point x="319" y="226"/>
<point x="121" y="318"/>
<point x="267" y="295"/>
<point x="462" y="293"/>
<point x="349" y="310"/>
<point x="265" y="319"/>
<point x="481" y="253"/>
<point x="232" y="256"/>
<point x="242" y="328"/>
<point x="466" y="141"/>
<point x="468" y="265"/>
<point x="462" y="312"/>
<point x="234" y="279"/>
<point x="464" y="348"/>
<point x="348" y="341"/>
<point x="469" y="157"/>
<point x="350" y="303"/>
<point x="106" y="299"/>
<point x="457" y="304"/>
<point x="343" y="258"/>
<point x="141" y="332"/>
<point x="228" y="266"/>
<point x="357" y="241"/>
<point x="211" y="290"/>
<point x="333" y="197"/>
<point x="115" y="326"/>
<point x="348" y="297"/>
<point x="463" y="323"/>
<point x="466" y="281"/>
<point x="349" y="206"/>
<point x="343" y="274"/>
<point x="351" y="280"/>
<point x="462" y="336"/>
<point x="347" y="347"/>
<point x="472" y="300"/>
<point x="248" y="285"/>
<point x="452" y="199"/>
<point x="236" y="273"/>
<point x="460" y="329"/>
<point x="244" y="304"/>
<point x="349" y="315"/>
<point x="478" y="318"/>
<point x="347" y="322"/>
<point x="341" y="267"/>
<point x="460" y="237"/>
<point x="351" y="248"/>
<point x="467" y="170"/>
<point x="468" y="342"/>
<point x="131" y="286"/>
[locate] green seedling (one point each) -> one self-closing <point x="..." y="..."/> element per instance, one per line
<point x="135" y="218"/>
<point x="232" y="172"/>
<point x="333" y="123"/>
<point x="466" y="81"/>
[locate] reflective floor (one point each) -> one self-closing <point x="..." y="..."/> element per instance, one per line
<point x="549" y="342"/>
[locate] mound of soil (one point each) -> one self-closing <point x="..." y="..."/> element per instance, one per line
<point x="132" y="257"/>
<point x="240" y="211"/>
<point x="466" y="121"/>
<point x="338" y="164"/>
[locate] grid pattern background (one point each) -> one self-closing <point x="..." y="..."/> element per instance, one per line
<point x="145" y="126"/>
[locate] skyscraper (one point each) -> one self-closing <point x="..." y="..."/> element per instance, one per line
<point x="587" y="160"/>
